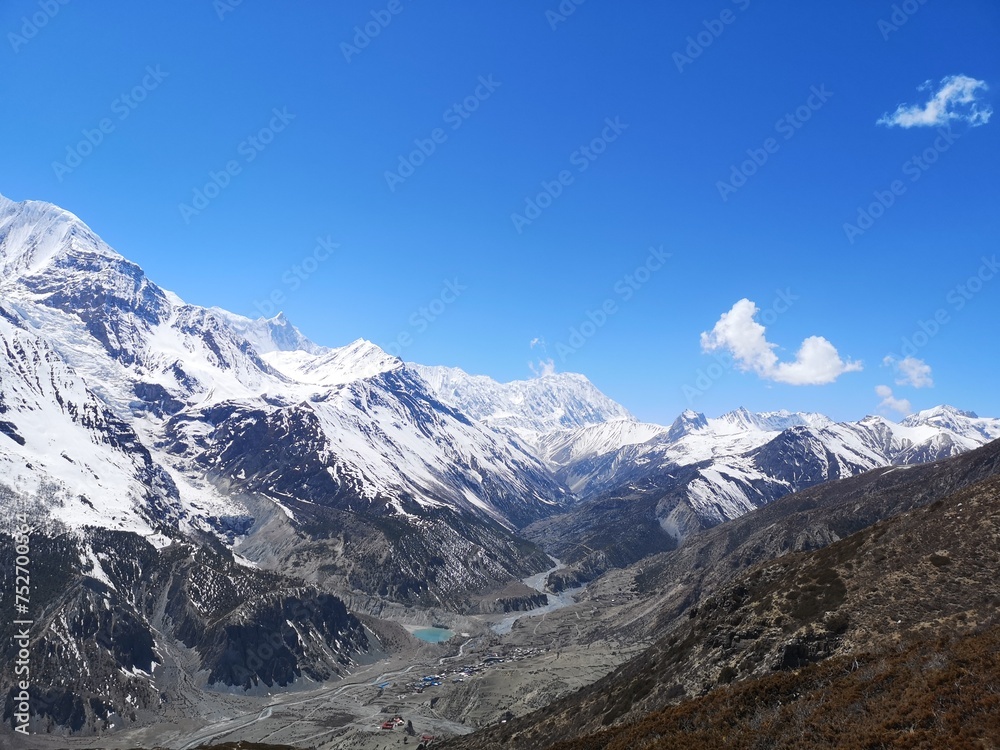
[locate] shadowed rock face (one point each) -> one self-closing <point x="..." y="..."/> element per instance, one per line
<point x="267" y="649"/>
<point x="98" y="640"/>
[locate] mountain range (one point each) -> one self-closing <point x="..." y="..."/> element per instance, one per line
<point x="212" y="478"/>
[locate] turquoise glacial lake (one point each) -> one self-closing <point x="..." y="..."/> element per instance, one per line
<point x="433" y="635"/>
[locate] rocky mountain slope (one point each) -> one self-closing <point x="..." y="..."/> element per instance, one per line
<point x="170" y="416"/>
<point x="926" y="692"/>
<point x="814" y="577"/>
<point x="703" y="472"/>
<point x="110" y="611"/>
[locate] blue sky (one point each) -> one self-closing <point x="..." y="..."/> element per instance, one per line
<point x="303" y="124"/>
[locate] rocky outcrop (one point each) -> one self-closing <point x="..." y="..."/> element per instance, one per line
<point x="116" y="620"/>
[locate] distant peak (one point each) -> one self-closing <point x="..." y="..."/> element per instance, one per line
<point x="773" y="421"/>
<point x="364" y="345"/>
<point x="947" y="409"/>
<point x="689" y="421"/>
<point x="364" y="351"/>
<point x="557" y="401"/>
<point x="739" y="415"/>
<point x="565" y="376"/>
<point x="940" y="413"/>
<point x="874" y="418"/>
<point x="268" y="334"/>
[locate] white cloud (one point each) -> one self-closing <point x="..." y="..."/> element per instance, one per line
<point x="957" y="98"/>
<point x="537" y="341"/>
<point x="911" y="371"/>
<point x="891" y="403"/>
<point x="543" y="367"/>
<point x="816" y="363"/>
<point x="743" y="337"/>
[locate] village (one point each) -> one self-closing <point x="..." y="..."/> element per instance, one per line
<point x="451" y="674"/>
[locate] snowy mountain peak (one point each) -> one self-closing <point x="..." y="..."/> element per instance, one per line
<point x="689" y="421"/>
<point x="943" y="411"/>
<point x="268" y="335"/>
<point x="529" y="408"/>
<point x="325" y="367"/>
<point x="33" y="234"/>
<point x="743" y="419"/>
<point x="874" y="419"/>
<point x="966" y="424"/>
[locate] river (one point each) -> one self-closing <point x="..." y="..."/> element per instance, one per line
<point x="556" y="601"/>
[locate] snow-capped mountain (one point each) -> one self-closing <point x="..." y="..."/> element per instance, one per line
<point x="731" y="464"/>
<point x="191" y="452"/>
<point x="62" y="443"/>
<point x="965" y="424"/>
<point x="745" y="460"/>
<point x="528" y="408"/>
<point x="214" y="412"/>
<point x="649" y="496"/>
<point x="743" y="420"/>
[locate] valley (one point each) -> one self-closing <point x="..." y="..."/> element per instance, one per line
<point x="447" y="689"/>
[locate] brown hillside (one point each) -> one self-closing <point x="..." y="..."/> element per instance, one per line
<point x="922" y="580"/>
